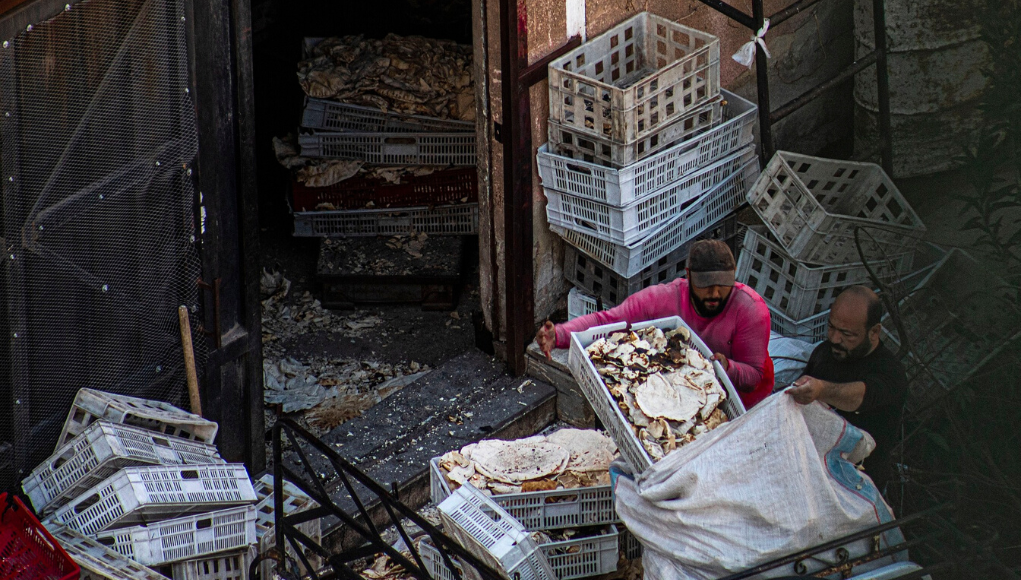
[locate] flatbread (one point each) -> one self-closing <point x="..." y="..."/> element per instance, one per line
<point x="590" y="450"/>
<point x="658" y="397"/>
<point x="514" y="462"/>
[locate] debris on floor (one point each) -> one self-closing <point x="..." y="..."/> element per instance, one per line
<point x="417" y="254"/>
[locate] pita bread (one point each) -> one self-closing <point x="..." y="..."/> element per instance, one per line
<point x="658" y="397"/>
<point x="590" y="450"/>
<point x="514" y="462"/>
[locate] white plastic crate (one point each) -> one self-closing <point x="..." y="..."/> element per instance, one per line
<point x="631" y="183"/>
<point x="295" y="501"/>
<point x="640" y="75"/>
<point x="802" y="290"/>
<point x="456" y="149"/>
<point x="492" y="535"/>
<point x="580" y="304"/>
<point x="99" y="562"/>
<point x="230" y="566"/>
<point x="184" y="538"/>
<point x="631" y="223"/>
<point x="327" y="115"/>
<point x="98" y="452"/>
<point x="543" y="510"/>
<point x="565" y="140"/>
<point x="453" y="220"/>
<point x="137" y="495"/>
<point x="813" y="205"/>
<point x="434" y="564"/>
<point x="630" y="547"/>
<point x="583" y="557"/>
<point x="630" y="260"/>
<point x="91" y="405"/>
<point x="606" y="408"/>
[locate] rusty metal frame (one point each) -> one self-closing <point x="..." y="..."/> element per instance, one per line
<point x="768" y="117"/>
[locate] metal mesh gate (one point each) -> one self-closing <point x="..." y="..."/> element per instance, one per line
<point x="97" y="214"/>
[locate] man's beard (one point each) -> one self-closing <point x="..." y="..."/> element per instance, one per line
<point x="702" y="308"/>
<point x="858" y="352"/>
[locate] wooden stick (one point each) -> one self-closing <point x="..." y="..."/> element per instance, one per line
<point x="189" y="361"/>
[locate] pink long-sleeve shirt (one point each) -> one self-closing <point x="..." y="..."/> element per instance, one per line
<point x="740" y="332"/>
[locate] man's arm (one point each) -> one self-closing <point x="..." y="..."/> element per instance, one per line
<point x="750" y="346"/>
<point x="843" y="396"/>
<point x="653" y="302"/>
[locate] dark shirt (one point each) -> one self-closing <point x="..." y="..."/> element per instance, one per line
<point x="886" y="387"/>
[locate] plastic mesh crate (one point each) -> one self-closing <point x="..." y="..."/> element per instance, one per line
<point x="630" y="547"/>
<point x="492" y="535"/>
<point x="631" y="223"/>
<point x="98" y="452"/>
<point x="455" y="220"/>
<point x="580" y="304"/>
<point x="27" y="550"/>
<point x="622" y="186"/>
<point x="91" y="405"/>
<point x="137" y="495"/>
<point x="543" y="510"/>
<point x="435" y="566"/>
<point x="583" y="557"/>
<point x="813" y="205"/>
<point x="802" y="290"/>
<point x="184" y="538"/>
<point x="565" y="140"/>
<point x="640" y="75"/>
<point x="393" y="148"/>
<point x="99" y="562"/>
<point x="336" y="116"/>
<point x="595" y="391"/>
<point x="599" y="280"/>
<point x="295" y="501"/>
<point x="711" y="208"/>
<point x="230" y="566"/>
<point x="442" y="187"/>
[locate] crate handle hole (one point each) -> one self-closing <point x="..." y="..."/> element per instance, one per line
<point x="161" y="441"/>
<point x="204" y="524"/>
<point x="84" y="505"/>
<point x="190" y="474"/>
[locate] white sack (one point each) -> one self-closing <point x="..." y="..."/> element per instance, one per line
<point x="790" y="356"/>
<point x="777" y="480"/>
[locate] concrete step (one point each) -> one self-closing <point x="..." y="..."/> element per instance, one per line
<point x="572" y="407"/>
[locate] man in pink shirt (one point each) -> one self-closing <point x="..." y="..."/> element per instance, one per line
<point x="731" y="318"/>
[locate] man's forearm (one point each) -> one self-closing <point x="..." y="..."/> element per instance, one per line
<point x="843" y="396"/>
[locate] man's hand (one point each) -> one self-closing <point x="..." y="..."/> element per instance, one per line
<point x="546" y="338"/>
<point x="723" y="360"/>
<point x="806" y="389"/>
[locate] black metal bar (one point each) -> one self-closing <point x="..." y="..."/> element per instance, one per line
<point x="792" y="10"/>
<point x="848" y="566"/>
<point x="732" y="13"/>
<point x="812" y="94"/>
<point x="883" y="85"/>
<point x="539" y="70"/>
<point x="517" y="183"/>
<point x="762" y="88"/>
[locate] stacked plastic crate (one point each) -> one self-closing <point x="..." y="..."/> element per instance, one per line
<point x="806" y="253"/>
<point x="646" y="154"/>
<point x="444" y="202"/>
<point x="135" y="484"/>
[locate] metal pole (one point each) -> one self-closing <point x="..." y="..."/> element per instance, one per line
<point x="762" y="81"/>
<point x="883" y="85"/>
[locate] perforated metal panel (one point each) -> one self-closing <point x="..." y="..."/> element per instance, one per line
<point x="97" y="215"/>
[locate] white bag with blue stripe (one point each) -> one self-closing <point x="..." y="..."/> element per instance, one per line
<point x="777" y="480"/>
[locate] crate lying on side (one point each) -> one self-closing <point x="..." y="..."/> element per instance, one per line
<point x="295" y="501"/>
<point x="27" y="550"/>
<point x="802" y="290"/>
<point x="327" y="115"/>
<point x="543" y="510"/>
<point x="638" y="76"/>
<point x="98" y="452"/>
<point x="91" y="405"/>
<point x="709" y="209"/>
<point x="457" y="149"/>
<point x="492" y="535"/>
<point x="606" y="408"/>
<point x="631" y="223"/>
<point x="452" y="220"/>
<point x="183" y="538"/>
<point x="137" y="495"/>
<point x="583" y="557"/>
<point x="598" y="280"/>
<point x="99" y="562"/>
<point x="435" y="565"/>
<point x="813" y="206"/>
<point x="439" y="188"/>
<point x="565" y="169"/>
<point x="580" y="304"/>
<point x="229" y="566"/>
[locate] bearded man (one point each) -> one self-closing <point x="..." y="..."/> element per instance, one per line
<point x="731" y="318"/>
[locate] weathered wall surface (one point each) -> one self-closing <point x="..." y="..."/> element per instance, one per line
<point x="807" y="50"/>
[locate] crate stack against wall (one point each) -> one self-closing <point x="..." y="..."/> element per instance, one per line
<point x="805" y="254"/>
<point x="136" y="489"/>
<point x="645" y="155"/>
<point x="369" y="164"/>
